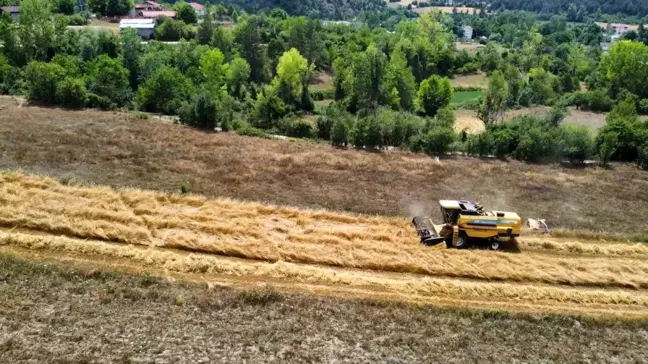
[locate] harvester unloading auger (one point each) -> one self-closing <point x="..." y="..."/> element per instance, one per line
<point x="466" y="224"/>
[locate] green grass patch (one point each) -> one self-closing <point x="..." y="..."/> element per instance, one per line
<point x="463" y="96"/>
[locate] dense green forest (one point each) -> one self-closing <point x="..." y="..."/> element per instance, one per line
<point x="626" y="7"/>
<point x="323" y="9"/>
<point x="391" y="86"/>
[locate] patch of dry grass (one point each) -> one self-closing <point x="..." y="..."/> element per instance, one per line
<point x="475" y="80"/>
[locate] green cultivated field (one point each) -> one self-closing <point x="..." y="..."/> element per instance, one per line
<point x="463" y="96"/>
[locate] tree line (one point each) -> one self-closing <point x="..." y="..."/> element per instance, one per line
<point x="391" y="88"/>
<point x="627" y="7"/>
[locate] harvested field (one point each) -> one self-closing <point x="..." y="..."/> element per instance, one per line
<point x="322" y="81"/>
<point x="470" y="47"/>
<point x="468" y="120"/>
<point x="98" y="25"/>
<point x="84" y="314"/>
<point x="123" y="151"/>
<point x="593" y="120"/>
<point x="474" y="80"/>
<point x="330" y="253"/>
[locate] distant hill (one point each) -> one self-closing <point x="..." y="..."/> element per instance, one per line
<point x="626" y="7"/>
<point x="324" y="9"/>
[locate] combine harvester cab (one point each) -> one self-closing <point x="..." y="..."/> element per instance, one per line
<point x="467" y="225"/>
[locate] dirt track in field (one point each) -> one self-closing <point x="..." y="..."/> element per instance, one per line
<point x="224" y="241"/>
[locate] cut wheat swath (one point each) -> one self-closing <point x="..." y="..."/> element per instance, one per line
<point x="274" y="233"/>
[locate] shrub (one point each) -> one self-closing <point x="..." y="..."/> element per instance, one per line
<point x="479" y="145"/>
<point x="367" y="132"/>
<point x="63" y="6"/>
<point x="41" y="80"/>
<point x="324" y="126"/>
<point x="107" y="77"/>
<point x="474" y="104"/>
<point x="530" y="147"/>
<point x="164" y="91"/>
<point x="185" y="12"/>
<point x="322" y="94"/>
<point x="268" y="109"/>
<point x="340" y="133"/>
<point x="643" y="107"/>
<point x="9" y="77"/>
<point x="597" y="100"/>
<point x="71" y="92"/>
<point x="100" y="102"/>
<point x="296" y="128"/>
<point x="200" y="112"/>
<point x="416" y="143"/>
<point x="433" y="94"/>
<point x="439" y="139"/>
<point x="503" y="141"/>
<point x="608" y="147"/>
<point x="253" y="132"/>
<point x="467" y="88"/>
<point x="643" y="155"/>
<point x="576" y="143"/>
<point x="77" y="19"/>
<point x="557" y="114"/>
<point x="468" y="68"/>
<point x="172" y="31"/>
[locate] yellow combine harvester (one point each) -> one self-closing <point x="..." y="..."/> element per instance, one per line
<point x="466" y="224"/>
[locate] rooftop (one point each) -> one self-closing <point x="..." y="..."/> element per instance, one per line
<point x="126" y="22"/>
<point x="10" y="9"/>
<point x="155" y="14"/>
<point x="197" y="6"/>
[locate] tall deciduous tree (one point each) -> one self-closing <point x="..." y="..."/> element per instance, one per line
<point x="237" y="75"/>
<point x="186" y="12"/>
<point x="131" y="51"/>
<point x="366" y="78"/>
<point x="214" y="69"/>
<point x="400" y="78"/>
<point x="433" y="94"/>
<point x="496" y="95"/>
<point x="108" y="78"/>
<point x="626" y="67"/>
<point x="250" y="46"/>
<point x="110" y="7"/>
<point x="64" y="6"/>
<point x="306" y="36"/>
<point x="41" y="80"/>
<point x="293" y="72"/>
<point x="165" y="91"/>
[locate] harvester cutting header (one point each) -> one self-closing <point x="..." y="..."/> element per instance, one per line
<point x="466" y="224"/>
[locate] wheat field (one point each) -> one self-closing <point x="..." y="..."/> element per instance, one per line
<point x="317" y="250"/>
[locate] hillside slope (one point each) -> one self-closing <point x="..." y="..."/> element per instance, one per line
<point x="121" y="150"/>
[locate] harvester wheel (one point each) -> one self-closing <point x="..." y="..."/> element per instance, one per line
<point x="462" y="241"/>
<point x="494" y="245"/>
